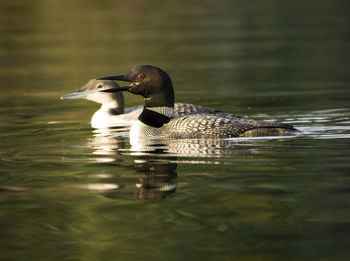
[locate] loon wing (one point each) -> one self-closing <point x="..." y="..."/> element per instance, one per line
<point x="182" y="109"/>
<point x="211" y="126"/>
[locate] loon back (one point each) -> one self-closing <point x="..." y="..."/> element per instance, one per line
<point x="211" y="127"/>
<point x="184" y="109"/>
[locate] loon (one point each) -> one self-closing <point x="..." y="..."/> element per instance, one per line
<point x="157" y="120"/>
<point x="112" y="112"/>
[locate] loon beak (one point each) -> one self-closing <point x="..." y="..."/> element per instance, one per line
<point x="117" y="89"/>
<point x="124" y="78"/>
<point x="74" y="95"/>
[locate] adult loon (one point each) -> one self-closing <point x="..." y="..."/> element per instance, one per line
<point x="112" y="112"/>
<point x="157" y="119"/>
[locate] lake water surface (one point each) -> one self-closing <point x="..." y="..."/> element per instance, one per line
<point x="70" y="192"/>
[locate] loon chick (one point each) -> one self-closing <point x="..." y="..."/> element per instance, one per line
<point x="112" y="111"/>
<point x="157" y="119"/>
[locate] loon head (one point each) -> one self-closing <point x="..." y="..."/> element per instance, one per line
<point x="92" y="91"/>
<point x="151" y="82"/>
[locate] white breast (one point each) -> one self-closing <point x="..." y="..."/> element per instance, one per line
<point x="138" y="130"/>
<point x="103" y="119"/>
<point x="141" y="134"/>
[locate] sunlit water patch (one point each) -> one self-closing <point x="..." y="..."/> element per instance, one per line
<point x="319" y="124"/>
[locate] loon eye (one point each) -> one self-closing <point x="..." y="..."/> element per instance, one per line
<point x="142" y="76"/>
<point x="99" y="86"/>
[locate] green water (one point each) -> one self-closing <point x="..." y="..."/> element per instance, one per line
<point x="68" y="192"/>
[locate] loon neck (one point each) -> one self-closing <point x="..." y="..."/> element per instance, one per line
<point x="106" y="115"/>
<point x="112" y="108"/>
<point x="156" y="116"/>
<point x="160" y="93"/>
<point x="159" y="100"/>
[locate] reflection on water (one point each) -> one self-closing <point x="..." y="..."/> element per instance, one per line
<point x="326" y="124"/>
<point x="69" y="183"/>
<point x="157" y="160"/>
<point x="160" y="177"/>
<point x="106" y="141"/>
<point x="320" y="124"/>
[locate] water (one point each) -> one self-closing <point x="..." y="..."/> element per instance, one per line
<point x="69" y="192"/>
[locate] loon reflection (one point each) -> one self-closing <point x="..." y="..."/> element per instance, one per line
<point x="158" y="179"/>
<point x="157" y="161"/>
<point x="110" y="142"/>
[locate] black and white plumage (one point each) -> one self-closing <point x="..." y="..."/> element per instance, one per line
<point x="212" y="126"/>
<point x="157" y="120"/>
<point x="112" y="112"/>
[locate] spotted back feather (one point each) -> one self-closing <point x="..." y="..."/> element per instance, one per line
<point x="211" y="126"/>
